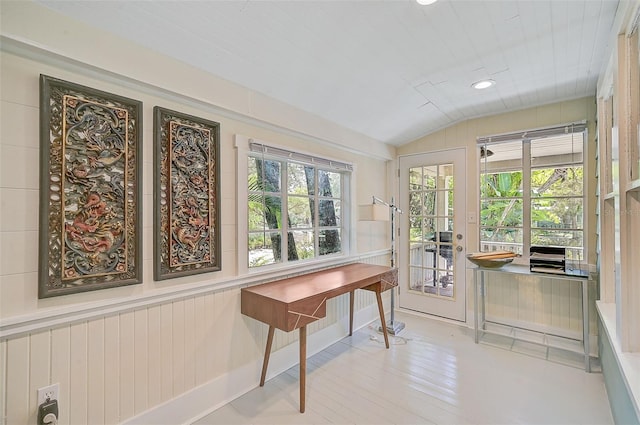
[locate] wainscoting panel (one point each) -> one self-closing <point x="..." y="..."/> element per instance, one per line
<point x="111" y="370"/>
<point x="3" y="373"/>
<point x="115" y="366"/>
<point x="542" y="302"/>
<point x="96" y="352"/>
<point x="20" y="398"/>
<point x="61" y="371"/>
<point x="78" y="378"/>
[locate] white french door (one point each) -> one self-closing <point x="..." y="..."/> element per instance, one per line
<point x="432" y="233"/>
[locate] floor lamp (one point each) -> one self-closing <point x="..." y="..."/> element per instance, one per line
<point x="380" y="210"/>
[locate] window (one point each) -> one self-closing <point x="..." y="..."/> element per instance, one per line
<point x="296" y="206"/>
<point x="531" y="191"/>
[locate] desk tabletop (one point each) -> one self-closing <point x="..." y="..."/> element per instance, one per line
<point x="323" y="282"/>
<point x="294" y="302"/>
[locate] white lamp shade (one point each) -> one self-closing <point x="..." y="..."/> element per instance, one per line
<point x="373" y="212"/>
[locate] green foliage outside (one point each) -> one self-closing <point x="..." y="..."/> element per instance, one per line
<point x="556" y="207"/>
<point x="265" y="214"/>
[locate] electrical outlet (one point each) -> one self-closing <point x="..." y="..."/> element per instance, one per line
<point x="51" y="392"/>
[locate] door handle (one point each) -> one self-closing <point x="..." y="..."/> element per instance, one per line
<point x="459" y="237"/>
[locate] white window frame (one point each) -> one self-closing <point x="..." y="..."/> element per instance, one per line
<point x="526" y="137"/>
<point x="244" y="151"/>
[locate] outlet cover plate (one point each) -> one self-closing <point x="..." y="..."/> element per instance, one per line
<point x="51" y="392"/>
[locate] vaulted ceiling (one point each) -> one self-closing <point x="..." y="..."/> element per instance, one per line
<point x="393" y="70"/>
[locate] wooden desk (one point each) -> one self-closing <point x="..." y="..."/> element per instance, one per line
<point x="293" y="303"/>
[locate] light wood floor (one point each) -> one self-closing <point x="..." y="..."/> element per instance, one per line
<point x="433" y="373"/>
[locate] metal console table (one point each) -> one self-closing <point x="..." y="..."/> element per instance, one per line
<point x="479" y="301"/>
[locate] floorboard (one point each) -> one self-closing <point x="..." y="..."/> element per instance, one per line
<point x="433" y="373"/>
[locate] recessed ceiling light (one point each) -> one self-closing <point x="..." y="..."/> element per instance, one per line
<point x="483" y="84"/>
<point x="426" y="2"/>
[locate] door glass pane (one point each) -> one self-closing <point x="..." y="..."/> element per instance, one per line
<point x="430" y="229"/>
<point x="445" y="224"/>
<point x="415" y="203"/>
<point x="430" y="177"/>
<point x="416" y="255"/>
<point x="445" y="176"/>
<point x="415" y="178"/>
<point x="449" y="196"/>
<point x="429" y="206"/>
<point x="445" y="280"/>
<point x="416" y="280"/>
<point x="415" y="229"/>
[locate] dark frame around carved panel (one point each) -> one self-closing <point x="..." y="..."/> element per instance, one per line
<point x="90" y="234"/>
<point x="186" y="177"/>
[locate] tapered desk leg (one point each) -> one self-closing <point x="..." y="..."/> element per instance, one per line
<point x="351" y="302"/>
<point x="382" y="320"/>
<point x="303" y="366"/>
<point x="267" y="353"/>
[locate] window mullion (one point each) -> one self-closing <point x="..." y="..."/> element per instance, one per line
<point x="526" y="198"/>
<point x="316" y="214"/>
<point x="284" y="194"/>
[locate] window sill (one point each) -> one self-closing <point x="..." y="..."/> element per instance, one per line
<point x="628" y="362"/>
<point x="300" y="265"/>
<point x="275" y="271"/>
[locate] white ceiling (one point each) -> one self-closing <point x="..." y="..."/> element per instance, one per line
<point x="393" y="70"/>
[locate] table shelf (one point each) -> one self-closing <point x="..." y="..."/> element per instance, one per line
<point x="484" y="327"/>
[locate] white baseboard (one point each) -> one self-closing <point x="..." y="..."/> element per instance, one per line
<point x="199" y="402"/>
